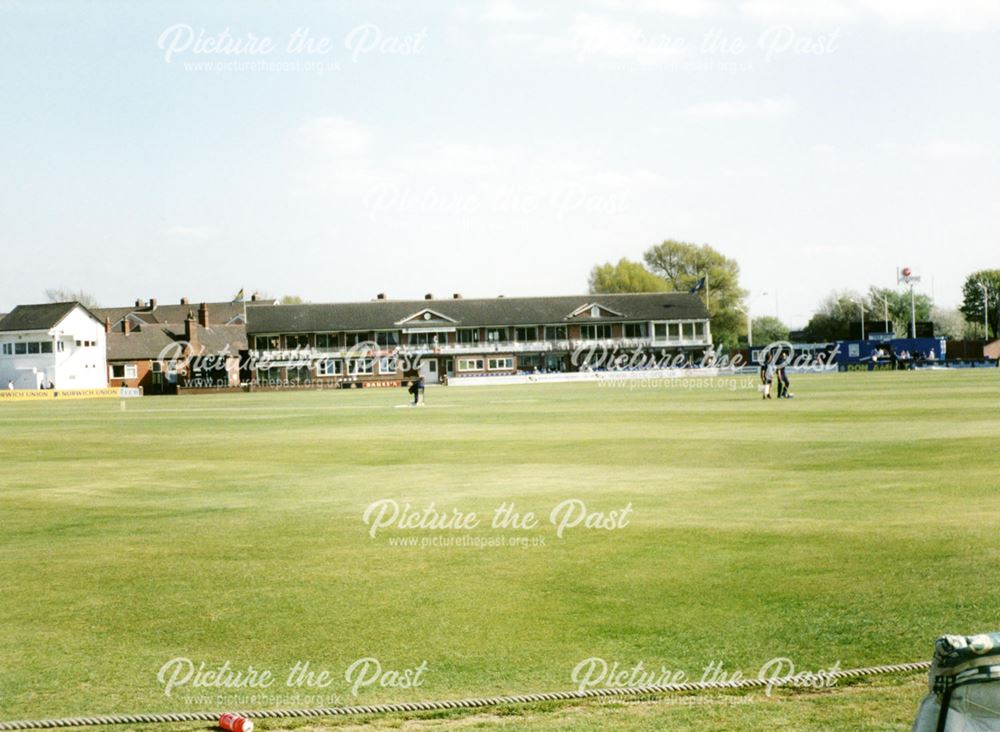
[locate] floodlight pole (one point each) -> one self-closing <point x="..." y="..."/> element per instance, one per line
<point x="885" y="304"/>
<point x="861" y="304"/>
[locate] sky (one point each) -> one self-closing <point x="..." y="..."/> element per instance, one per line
<point x="335" y="150"/>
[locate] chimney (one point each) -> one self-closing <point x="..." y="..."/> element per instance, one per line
<point x="190" y="331"/>
<point x="152" y="303"/>
<point x="184" y="301"/>
<point x="429" y="296"/>
<point x="380" y="296"/>
<point x="107" y="324"/>
<point x="456" y="296"/>
<point x="203" y="315"/>
<point x="139" y="303"/>
<point x="126" y="325"/>
<point x="253" y="297"/>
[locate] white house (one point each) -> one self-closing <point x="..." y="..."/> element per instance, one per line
<point x="62" y="343"/>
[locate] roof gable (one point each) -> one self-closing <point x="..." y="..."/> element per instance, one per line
<point x="44" y="316"/>
<point x="426" y="316"/>
<point x="594" y="310"/>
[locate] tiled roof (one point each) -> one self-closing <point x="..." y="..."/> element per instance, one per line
<point x="38" y="317"/>
<point x="389" y="314"/>
<point x="150" y="341"/>
<point x="218" y="312"/>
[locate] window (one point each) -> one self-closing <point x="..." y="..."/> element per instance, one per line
<point x="387" y="338"/>
<point x="387" y="365"/>
<point x="699" y="329"/>
<point x="593" y="332"/>
<point x="635" y="330"/>
<point x="327" y="341"/>
<point x="354" y="339"/>
<point x="296" y="341"/>
<point x="60" y="346"/>
<point x="329" y="367"/>
<point x="555" y="332"/>
<point x="46" y="346"/>
<point x="359" y="366"/>
<point x="501" y="364"/>
<point x="131" y="371"/>
<point x="8" y="349"/>
<point x="117" y="371"/>
<point x="496" y="335"/>
<point x="423" y="339"/>
<point x="470" y="364"/>
<point x="34" y="347"/>
<point x="271" y="376"/>
<point x="674" y="331"/>
<point x="530" y="362"/>
<point x="688" y="331"/>
<point x="299" y="375"/>
<point x="267" y="343"/>
<point x="660" y="331"/>
<point x="468" y="335"/>
<point x="526" y="333"/>
<point x="20" y="348"/>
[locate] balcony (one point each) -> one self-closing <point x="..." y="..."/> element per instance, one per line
<point x="306" y="356"/>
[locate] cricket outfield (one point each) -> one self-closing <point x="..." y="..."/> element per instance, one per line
<point x="172" y="554"/>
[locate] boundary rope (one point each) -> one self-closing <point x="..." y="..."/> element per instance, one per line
<point x="431" y="706"/>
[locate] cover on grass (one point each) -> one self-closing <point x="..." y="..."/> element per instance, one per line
<point x="964" y="686"/>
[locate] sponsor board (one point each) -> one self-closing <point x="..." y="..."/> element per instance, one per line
<point x="34" y="395"/>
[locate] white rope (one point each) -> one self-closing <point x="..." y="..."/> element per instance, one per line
<point x="430" y="706"/>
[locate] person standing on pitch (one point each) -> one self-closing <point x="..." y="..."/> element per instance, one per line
<point x="783" y="384"/>
<point x="766" y="376"/>
<point x="417" y="390"/>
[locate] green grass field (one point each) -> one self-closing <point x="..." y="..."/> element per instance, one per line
<point x="853" y="524"/>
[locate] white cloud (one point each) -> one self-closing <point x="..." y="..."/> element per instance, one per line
<point x="741" y="109"/>
<point x="598" y="35"/>
<point x="950" y="14"/>
<point x="334" y="135"/>
<point x="192" y="232"/>
<point x="949" y="149"/>
<point x="506" y="11"/>
<point x="810" y="11"/>
<point x="680" y="8"/>
<point x="456" y="178"/>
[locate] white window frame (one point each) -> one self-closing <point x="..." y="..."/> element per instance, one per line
<point x="493" y="362"/>
<point x="323" y="367"/>
<point x="383" y="366"/>
<point x="368" y="370"/>
<point x="8" y="349"/>
<point x="478" y="364"/>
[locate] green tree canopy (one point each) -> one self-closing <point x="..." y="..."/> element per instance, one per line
<point x="899" y="308"/>
<point x="972" y="298"/>
<point x="626" y="276"/>
<point x="682" y="265"/>
<point x="768" y="329"/>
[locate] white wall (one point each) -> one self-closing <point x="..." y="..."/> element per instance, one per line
<point x="76" y="367"/>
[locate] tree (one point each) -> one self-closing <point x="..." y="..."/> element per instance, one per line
<point x="291" y="300"/>
<point x="899" y="308"/>
<point x="626" y="276"/>
<point x="832" y="320"/>
<point x="682" y="265"/>
<point x="951" y="324"/>
<point x="61" y="294"/>
<point x="768" y="329"/>
<point x="972" y="298"/>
